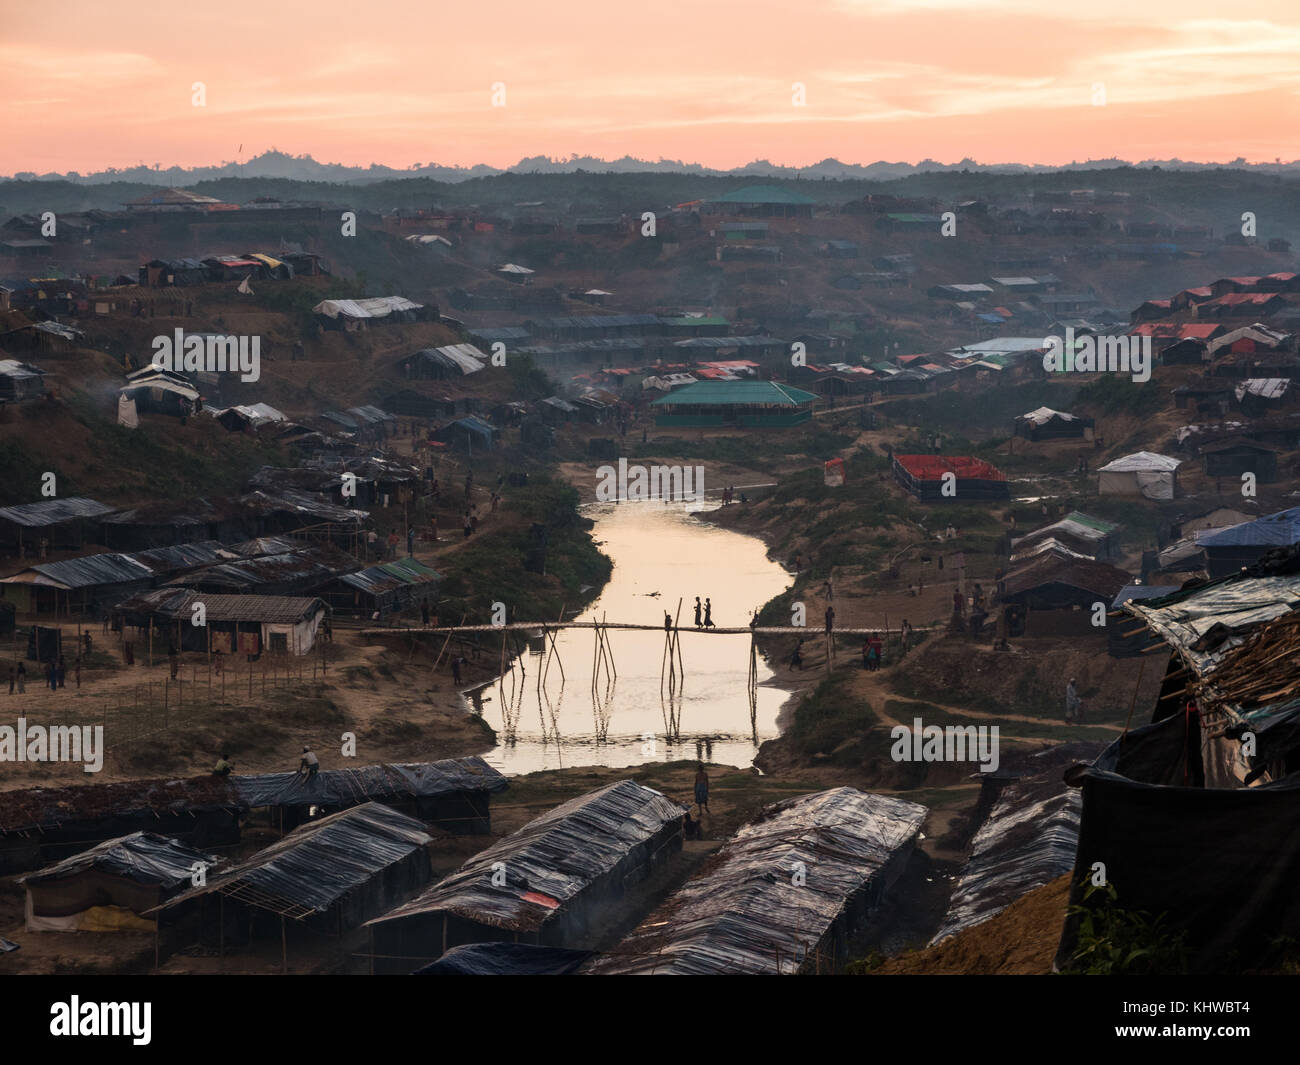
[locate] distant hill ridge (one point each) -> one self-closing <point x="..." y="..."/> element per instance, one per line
<point x="276" y="164"/>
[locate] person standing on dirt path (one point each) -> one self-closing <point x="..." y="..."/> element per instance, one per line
<point x="702" y="790"/>
<point x="1073" y="704"/>
<point x="61" y="672"/>
<point x="698" y="608"/>
<point x="455" y="669"/>
<point x="22" y="678"/>
<point x="830" y="620"/>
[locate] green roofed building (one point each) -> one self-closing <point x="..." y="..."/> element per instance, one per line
<point x="765" y="200"/>
<point x="746" y="404"/>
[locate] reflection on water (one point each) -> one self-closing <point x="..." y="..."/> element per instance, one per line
<point x="575" y="698"/>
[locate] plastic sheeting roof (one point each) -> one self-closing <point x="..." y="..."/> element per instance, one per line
<point x="743" y="912"/>
<point x="549" y="861"/>
<point x="374" y="307"/>
<point x="1237" y="605"/>
<point x="505" y="959"/>
<point x="386" y="783"/>
<point x="1028" y="839"/>
<point x="318" y="863"/>
<point x="144" y="857"/>
<point x="1264" y="387"/>
<point x="1273" y="530"/>
<point x="1043" y="415"/>
<point x="1141" y="462"/>
<point x="463" y="357"/>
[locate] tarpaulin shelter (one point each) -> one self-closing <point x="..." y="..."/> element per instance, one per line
<point x="1027" y="839"/>
<point x="107" y="888"/>
<point x="1192" y="825"/>
<point x="1081" y="533"/>
<point x="357" y="314"/>
<point x="1142" y="473"/>
<point x="1217" y="864"/>
<point x="556" y="877"/>
<point x="47" y="824"/>
<point x="1127" y="638"/>
<point x="506" y="959"/>
<point x="453" y="360"/>
<point x="1048" y="424"/>
<point x="749" y="912"/>
<point x="454" y="793"/>
<point x="973" y="479"/>
<point x="1228" y="550"/>
<point x="330" y="875"/>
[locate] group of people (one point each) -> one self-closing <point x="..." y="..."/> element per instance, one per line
<point x="704" y="615"/>
<point x="55" y="670"/>
<point x="729" y="496"/>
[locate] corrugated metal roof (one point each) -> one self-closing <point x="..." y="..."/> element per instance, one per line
<point x="53" y="511"/>
<point x="178" y="603"/>
<point x="86" y="572"/>
<point x="748" y="393"/>
<point x="378" y="579"/>
<point x="304" y="562"/>
<point x="730" y="342"/>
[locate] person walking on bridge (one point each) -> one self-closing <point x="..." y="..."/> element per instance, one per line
<point x="708" y="614"/>
<point x="698" y="623"/>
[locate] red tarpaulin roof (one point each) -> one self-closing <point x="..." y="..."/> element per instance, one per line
<point x="933" y="467"/>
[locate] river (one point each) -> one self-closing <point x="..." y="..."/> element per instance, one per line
<point x="661" y="553"/>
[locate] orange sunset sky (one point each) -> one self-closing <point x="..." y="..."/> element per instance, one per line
<point x="93" y="85"/>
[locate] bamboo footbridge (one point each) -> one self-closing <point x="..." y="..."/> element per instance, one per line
<point x="604" y="673"/>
